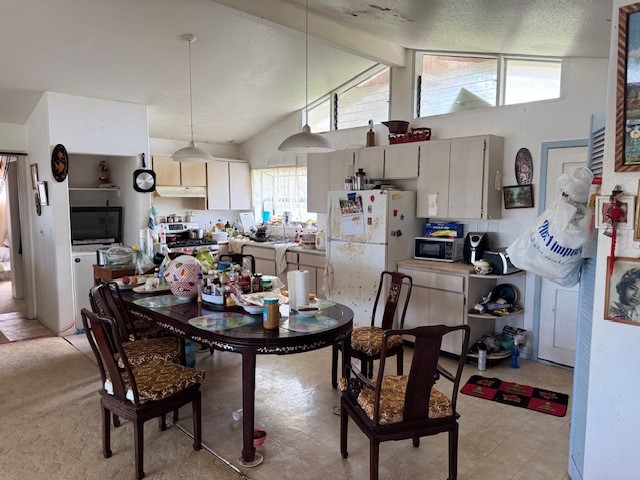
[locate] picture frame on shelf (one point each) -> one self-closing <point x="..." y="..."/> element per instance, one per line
<point x="622" y="291"/>
<point x="518" y="196"/>
<point x="628" y="207"/>
<point x="34" y="175"/>
<point x="43" y="194"/>
<point x="627" y="144"/>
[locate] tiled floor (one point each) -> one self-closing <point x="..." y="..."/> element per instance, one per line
<point x="293" y="404"/>
<point x="13" y="326"/>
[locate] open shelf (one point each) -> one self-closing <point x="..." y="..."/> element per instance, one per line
<point x="115" y="190"/>
<point x="488" y="316"/>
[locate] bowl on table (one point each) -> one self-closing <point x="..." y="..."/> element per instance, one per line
<point x="253" y="309"/>
<point x="308" y="311"/>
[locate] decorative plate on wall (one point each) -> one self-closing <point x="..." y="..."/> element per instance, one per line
<point x="524" y="167"/>
<point x="59" y="163"/>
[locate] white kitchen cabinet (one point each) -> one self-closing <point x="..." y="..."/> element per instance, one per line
<point x="371" y="160"/>
<point x="228" y="185"/>
<point x="458" y="178"/>
<point x="184" y="174"/>
<point x="401" y="161"/>
<point x="339" y="163"/>
<point x="314" y="264"/>
<point x="317" y="182"/>
<point x="82" y="282"/>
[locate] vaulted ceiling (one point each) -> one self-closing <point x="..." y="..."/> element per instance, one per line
<point x="249" y="60"/>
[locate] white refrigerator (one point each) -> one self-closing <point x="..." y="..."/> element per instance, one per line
<point x="368" y="232"/>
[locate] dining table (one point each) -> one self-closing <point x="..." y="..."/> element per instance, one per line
<point x="233" y="330"/>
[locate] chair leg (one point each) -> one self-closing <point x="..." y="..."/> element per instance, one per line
<point x="453" y="453"/>
<point x="138" y="439"/>
<point x="106" y="432"/>
<point x="334" y="366"/>
<point x="176" y="415"/>
<point x="400" y="362"/>
<point x="162" y="422"/>
<point x="416" y="442"/>
<point x="197" y="422"/>
<point x="116" y="420"/>
<point x="344" y="423"/>
<point x="374" y="458"/>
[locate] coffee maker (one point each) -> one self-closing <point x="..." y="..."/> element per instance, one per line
<point x="475" y="244"/>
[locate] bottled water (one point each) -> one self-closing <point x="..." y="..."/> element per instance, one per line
<point x="236" y="414"/>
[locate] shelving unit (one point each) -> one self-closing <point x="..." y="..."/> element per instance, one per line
<point x="96" y="189"/>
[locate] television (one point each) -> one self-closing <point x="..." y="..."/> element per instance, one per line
<point x="96" y="225"/>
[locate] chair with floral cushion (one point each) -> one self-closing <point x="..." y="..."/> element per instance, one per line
<point x="138" y="393"/>
<point x="397" y="407"/>
<point x="366" y="342"/>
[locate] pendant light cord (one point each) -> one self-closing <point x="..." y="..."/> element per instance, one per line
<point x="190" y="92"/>
<point x="306" y="62"/>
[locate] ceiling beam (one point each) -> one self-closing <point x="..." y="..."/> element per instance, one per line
<point x="341" y="37"/>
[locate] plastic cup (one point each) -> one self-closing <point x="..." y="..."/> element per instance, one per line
<point x="266" y="216"/>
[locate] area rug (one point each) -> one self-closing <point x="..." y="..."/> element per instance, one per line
<point x="511" y="393"/>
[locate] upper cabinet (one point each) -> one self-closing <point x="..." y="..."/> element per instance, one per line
<point x="371" y="160"/>
<point x="458" y="178"/>
<point x="177" y="174"/>
<point x="401" y="161"/>
<point x="228" y="185"/>
<point x="339" y="163"/>
<point x="317" y="182"/>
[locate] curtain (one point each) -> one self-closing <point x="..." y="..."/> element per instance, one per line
<point x="278" y="190"/>
<point x="4" y="168"/>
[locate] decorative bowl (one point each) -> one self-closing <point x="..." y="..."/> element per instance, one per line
<point x="253" y="309"/>
<point x="308" y="311"/>
<point x="182" y="276"/>
<point x="259" y="436"/>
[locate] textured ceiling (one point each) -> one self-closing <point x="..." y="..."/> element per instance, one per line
<point x="248" y="62"/>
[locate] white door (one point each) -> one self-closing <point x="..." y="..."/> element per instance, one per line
<point x="559" y="305"/>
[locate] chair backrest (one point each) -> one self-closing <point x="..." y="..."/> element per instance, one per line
<point x="104" y="339"/>
<point x="106" y="300"/>
<point x="424" y="368"/>
<point x="397" y="282"/>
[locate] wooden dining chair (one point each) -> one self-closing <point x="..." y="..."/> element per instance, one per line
<point x="138" y="393"/>
<point x="397" y="407"/>
<point x="366" y="342"/>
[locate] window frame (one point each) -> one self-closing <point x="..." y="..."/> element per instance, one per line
<point x="501" y="61"/>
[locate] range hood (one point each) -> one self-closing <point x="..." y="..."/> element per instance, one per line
<point x="181" y="192"/>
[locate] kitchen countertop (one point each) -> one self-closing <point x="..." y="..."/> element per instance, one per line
<point x="298" y="249"/>
<point x="447" y="267"/>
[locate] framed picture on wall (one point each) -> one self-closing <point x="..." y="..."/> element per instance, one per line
<point x="622" y="291"/>
<point x="518" y="196"/>
<point x="34" y="175"/>
<point x="42" y="192"/>
<point x="627" y="145"/>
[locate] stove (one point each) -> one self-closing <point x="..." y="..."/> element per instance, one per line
<point x="191" y="243"/>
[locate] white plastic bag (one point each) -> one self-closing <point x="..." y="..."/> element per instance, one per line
<point x="552" y="246"/>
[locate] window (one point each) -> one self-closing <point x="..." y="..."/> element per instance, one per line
<point x="353" y="104"/>
<point x="453" y="83"/>
<point x="278" y="190"/>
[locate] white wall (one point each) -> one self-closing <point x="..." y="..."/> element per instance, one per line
<point x="85" y="126"/>
<point x="613" y="423"/>
<point x="584" y="92"/>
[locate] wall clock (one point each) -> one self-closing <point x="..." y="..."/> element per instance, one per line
<point x="144" y="180"/>
<point x="59" y="163"/>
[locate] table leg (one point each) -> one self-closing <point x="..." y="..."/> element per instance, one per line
<point x="250" y="458"/>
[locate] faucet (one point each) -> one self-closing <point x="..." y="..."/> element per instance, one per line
<point x="284" y="229"/>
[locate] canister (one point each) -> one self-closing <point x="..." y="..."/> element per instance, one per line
<point x="271" y="314"/>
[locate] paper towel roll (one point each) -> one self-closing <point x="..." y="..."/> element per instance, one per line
<point x="301" y="288"/>
<point x="291" y="287"/>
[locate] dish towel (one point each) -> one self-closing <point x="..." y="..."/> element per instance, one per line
<point x="235" y="244"/>
<point x="281" y="260"/>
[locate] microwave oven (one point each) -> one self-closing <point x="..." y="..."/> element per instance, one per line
<point x="440" y="249"/>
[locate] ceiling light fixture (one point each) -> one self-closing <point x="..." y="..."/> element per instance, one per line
<point x="191" y="153"/>
<point x="306" y="142"/>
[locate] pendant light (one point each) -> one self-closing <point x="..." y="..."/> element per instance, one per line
<point x="306" y="141"/>
<point x="191" y="153"/>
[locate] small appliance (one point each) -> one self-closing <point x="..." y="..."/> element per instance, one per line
<point x="500" y="262"/>
<point x="440" y="249"/>
<point x="475" y="244"/>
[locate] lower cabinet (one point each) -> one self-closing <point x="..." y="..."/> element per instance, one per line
<point x="314" y="264"/>
<point x="440" y="297"/>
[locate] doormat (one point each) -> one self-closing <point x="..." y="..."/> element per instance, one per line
<point x="511" y="393"/>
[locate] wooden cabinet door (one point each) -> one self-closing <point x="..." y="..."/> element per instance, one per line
<point x="418" y="307"/>
<point x="239" y="186"/>
<point x="447" y="308"/>
<point x="193" y="174"/>
<point x="466" y="173"/>
<point x="167" y="171"/>
<point x="401" y="161"/>
<point x="339" y="162"/>
<point x="433" y="181"/>
<point x="371" y="160"/>
<point x="317" y="182"/>
<point x="218" y="185"/>
<point x="265" y="267"/>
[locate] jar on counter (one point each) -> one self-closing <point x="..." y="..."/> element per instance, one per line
<point x="266" y="285"/>
<point x="256" y="283"/>
<point x="271" y="314"/>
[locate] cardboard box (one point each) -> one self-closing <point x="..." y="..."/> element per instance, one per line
<point x="108" y="274"/>
<point x="449" y="230"/>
